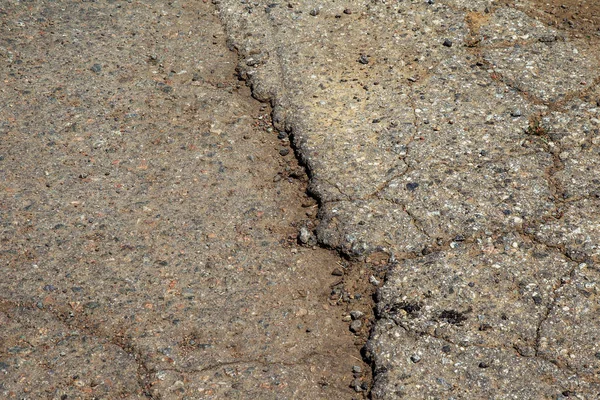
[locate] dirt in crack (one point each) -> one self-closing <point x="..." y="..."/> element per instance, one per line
<point x="345" y="290"/>
<point x="155" y="207"/>
<point x="578" y="18"/>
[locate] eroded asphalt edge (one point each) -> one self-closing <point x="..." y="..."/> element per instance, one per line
<point x="273" y="90"/>
<point x="360" y="275"/>
<point x="365" y="273"/>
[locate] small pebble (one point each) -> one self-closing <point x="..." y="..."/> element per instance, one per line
<point x="411" y="186"/>
<point x="374" y="280"/>
<point x="347" y="11"/>
<point x="284" y="151"/>
<point x="447" y="43"/>
<point x="355" y="326"/>
<point x="314" y="12"/>
<point x="96" y="68"/>
<point x="363" y="59"/>
<point x="547" y="38"/>
<point x="415" y="358"/>
<point x="516" y="113"/>
<point x="304" y="235"/>
<point x="337" y="272"/>
<point x="356" y="314"/>
<point x="357" y="369"/>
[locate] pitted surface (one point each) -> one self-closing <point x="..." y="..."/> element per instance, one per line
<point x="149" y="215"/>
<point x="461" y="138"/>
<point x="150" y="218"/>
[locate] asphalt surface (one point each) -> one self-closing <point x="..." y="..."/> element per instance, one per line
<point x="150" y="217"/>
<point x="459" y="138"/>
<point x="402" y="203"/>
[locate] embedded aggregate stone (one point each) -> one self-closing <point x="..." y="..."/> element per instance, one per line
<point x="577" y="230"/>
<point x="353" y="227"/>
<point x="468" y="200"/>
<point x="491" y="293"/>
<point x="573" y="129"/>
<point x="509" y="26"/>
<point x="458" y="136"/>
<point x="579" y="176"/>
<point x="38" y="348"/>
<point x="463" y="117"/>
<point x="472" y="6"/>
<point x="574" y="315"/>
<point x="455" y="113"/>
<point x="490" y="312"/>
<point x="145" y="249"/>
<point x="326" y="96"/>
<point x="469" y="372"/>
<point x="545" y="70"/>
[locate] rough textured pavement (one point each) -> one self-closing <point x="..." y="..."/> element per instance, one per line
<point x="150" y="212"/>
<point x="462" y="139"/>
<point x="149" y="217"/>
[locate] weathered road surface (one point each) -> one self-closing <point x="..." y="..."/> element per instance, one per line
<point x="149" y="212"/>
<point x="149" y="217"/>
<point x="461" y="138"/>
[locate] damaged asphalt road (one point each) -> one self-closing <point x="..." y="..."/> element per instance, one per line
<point x="461" y="138"/>
<point x="408" y="208"/>
<point x="149" y="216"/>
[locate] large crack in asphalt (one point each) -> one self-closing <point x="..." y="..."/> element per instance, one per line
<point x="278" y="95"/>
<point x="136" y="248"/>
<point x="155" y="214"/>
